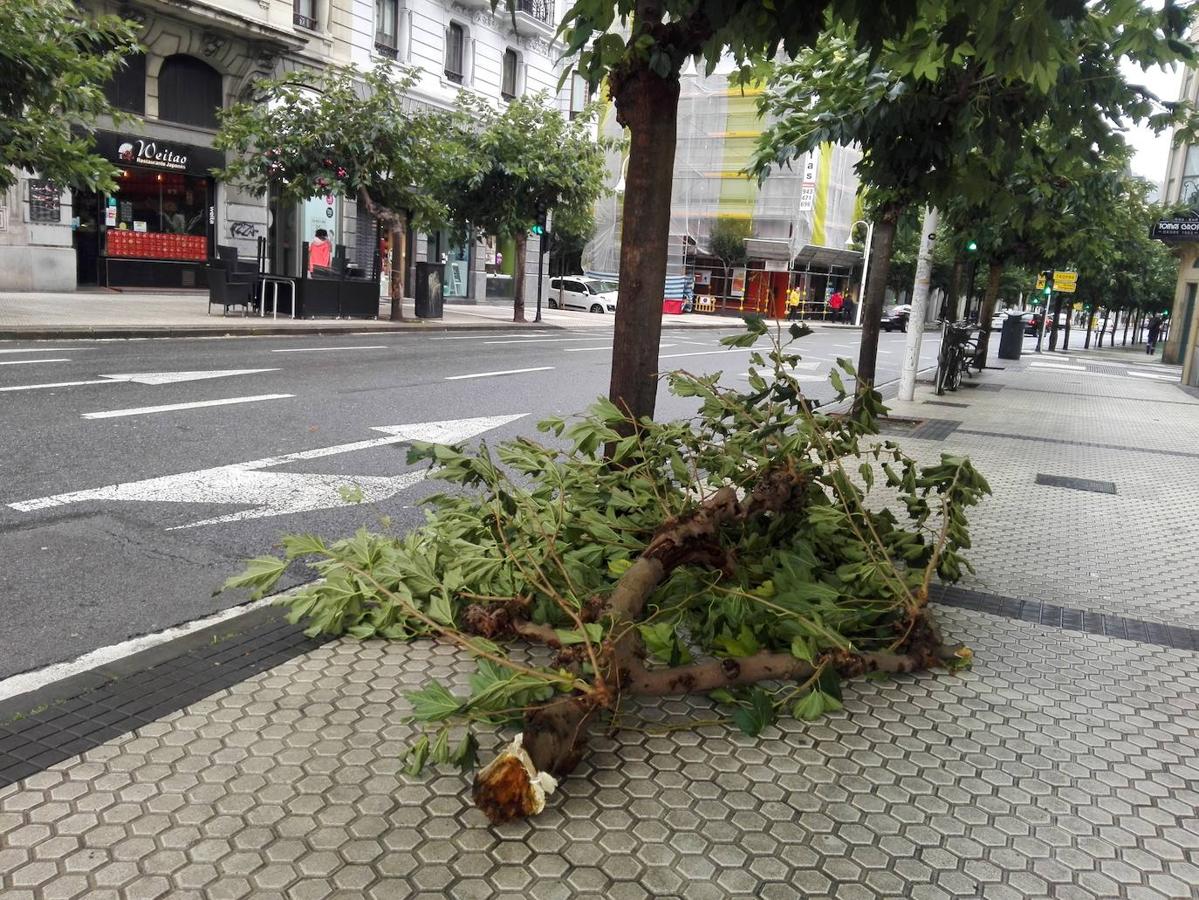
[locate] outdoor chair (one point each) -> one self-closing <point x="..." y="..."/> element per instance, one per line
<point x="226" y="288"/>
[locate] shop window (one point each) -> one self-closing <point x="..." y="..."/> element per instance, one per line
<point x="580" y="94"/>
<point x="510" y="75"/>
<point x="158" y="215"/>
<point x="127" y="88"/>
<point x="304" y="13"/>
<point x="455" y="53"/>
<point x="45" y="202"/>
<point x="189" y="92"/>
<point x="387" y="27"/>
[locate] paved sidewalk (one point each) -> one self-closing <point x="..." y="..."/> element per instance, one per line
<point x="1063" y="765"/>
<point x="127" y="314"/>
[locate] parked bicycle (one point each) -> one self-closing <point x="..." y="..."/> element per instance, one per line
<point x="958" y="348"/>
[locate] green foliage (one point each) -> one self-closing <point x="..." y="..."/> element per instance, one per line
<point x="727" y="240"/>
<point x="53" y="66"/>
<point x="547" y="529"/>
<point x="508" y="165"/>
<point x="339" y="131"/>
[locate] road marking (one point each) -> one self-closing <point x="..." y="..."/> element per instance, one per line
<point x="1156" y="375"/>
<point x="171" y="407"/>
<point x="605" y="347"/>
<point x="330" y="349"/>
<point x="279" y="493"/>
<point x="30" y="362"/>
<point x="483" y="337"/>
<point x="45" y="350"/>
<point x="602" y="337"/>
<point x="710" y="352"/>
<point x="1044" y="365"/>
<point x="142" y="378"/>
<point x="505" y="372"/>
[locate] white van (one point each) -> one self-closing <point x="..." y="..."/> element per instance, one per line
<point x="580" y="292"/>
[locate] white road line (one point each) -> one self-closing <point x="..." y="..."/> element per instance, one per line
<point x="1041" y="365"/>
<point x="171" y="407"/>
<point x="483" y="337"/>
<point x="329" y="349"/>
<point x="46" y="350"/>
<point x="30" y="362"/>
<point x="505" y="372"/>
<point x="154" y="378"/>
<point x="1154" y="375"/>
<point x="601" y="337"/>
<point x="711" y="352"/>
<point x="606" y="347"/>
<point x="56" y="384"/>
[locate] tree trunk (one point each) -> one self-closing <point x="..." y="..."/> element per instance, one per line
<point x="949" y="309"/>
<point x="994" y="276"/>
<point x="1106" y="315"/>
<point x="399" y="242"/>
<point x="647" y="105"/>
<point x="1086" y="345"/>
<point x="876" y="287"/>
<point x="1069" y="319"/>
<point x="1057" y="311"/>
<point x="919" y="311"/>
<point x="518" y="288"/>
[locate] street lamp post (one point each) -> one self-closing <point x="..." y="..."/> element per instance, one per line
<point x="857" y="314"/>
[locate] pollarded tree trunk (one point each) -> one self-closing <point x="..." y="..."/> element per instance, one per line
<point x="647" y="105"/>
<point x="518" y="293"/>
<point x="950" y="311"/>
<point x="1086" y="344"/>
<point x="399" y="242"/>
<point x="1103" y="328"/>
<point x="994" y="275"/>
<point x="876" y="288"/>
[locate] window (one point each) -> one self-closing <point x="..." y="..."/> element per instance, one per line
<point x="1189" y="192"/>
<point x="189" y="92"/>
<point x="387" y="27"/>
<point x="455" y="47"/>
<point x="44" y="202"/>
<point x="304" y="13"/>
<point x="127" y="88"/>
<point x="508" y="83"/>
<point x="580" y="94"/>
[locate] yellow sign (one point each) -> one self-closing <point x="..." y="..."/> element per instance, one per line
<point x="1065" y="282"/>
<point x="1041" y="282"/>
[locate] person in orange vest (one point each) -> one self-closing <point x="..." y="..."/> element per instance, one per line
<point x="320" y="251"/>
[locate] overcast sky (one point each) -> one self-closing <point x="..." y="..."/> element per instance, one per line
<point x="1152" y="150"/>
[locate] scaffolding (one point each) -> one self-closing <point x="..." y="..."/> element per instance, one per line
<point x="810" y="204"/>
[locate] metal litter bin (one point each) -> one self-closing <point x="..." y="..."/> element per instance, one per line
<point x="1011" y="337"/>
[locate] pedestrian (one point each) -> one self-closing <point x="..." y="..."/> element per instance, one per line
<point x="1155" y="329"/>
<point x="793" y="302"/>
<point x="835" y="304"/>
<point x="320" y="251"/>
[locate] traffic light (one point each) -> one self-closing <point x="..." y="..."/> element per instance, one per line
<point x="971" y="246"/>
<point x="1048" y="276"/>
<point x="539" y="227"/>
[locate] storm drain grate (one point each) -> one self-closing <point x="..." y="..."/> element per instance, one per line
<point x="1077" y="484"/>
<point x="982" y="387"/>
<point x="947" y="403"/>
<point x="924" y="429"/>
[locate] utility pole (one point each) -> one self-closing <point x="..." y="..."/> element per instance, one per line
<point x="541" y="229"/>
<point x="919" y="312"/>
<point x="1047" y="275"/>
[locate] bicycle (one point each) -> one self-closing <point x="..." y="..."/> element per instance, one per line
<point x="956" y="355"/>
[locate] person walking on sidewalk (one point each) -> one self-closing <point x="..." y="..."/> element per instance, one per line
<point x="835" y="303"/>
<point x="1155" y="329"/>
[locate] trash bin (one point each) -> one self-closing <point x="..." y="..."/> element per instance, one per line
<point x="1011" y="337"/>
<point x="429" y="298"/>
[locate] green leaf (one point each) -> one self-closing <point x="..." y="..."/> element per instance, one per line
<point x="414" y="760"/>
<point x="720" y="695"/>
<point x="662" y="642"/>
<point x="351" y="493"/>
<point x="744" y="644"/>
<point x="296" y="545"/>
<point x="261" y="574"/>
<point x="433" y="702"/>
<point x="467" y="752"/>
<point x="801" y="649"/>
<point x="617" y="567"/>
<point x="441" y="610"/>
<point x="809" y="707"/>
<point x="757" y="714"/>
<point x="594" y="634"/>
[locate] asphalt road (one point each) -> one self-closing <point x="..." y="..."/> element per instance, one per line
<point x="119" y="519"/>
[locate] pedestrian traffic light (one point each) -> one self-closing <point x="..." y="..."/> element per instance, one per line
<point x="971" y="246"/>
<point x="539" y="227"/>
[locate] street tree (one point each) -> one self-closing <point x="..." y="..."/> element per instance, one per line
<point x="743" y="554"/>
<point x="945" y="125"/>
<point x="638" y="49"/>
<point x="513" y="165"/>
<point x="55" y="61"/>
<point x="727" y="240"/>
<point x="348" y="132"/>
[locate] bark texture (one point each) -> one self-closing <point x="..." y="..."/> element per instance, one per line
<point x="647" y="105"/>
<point x="994" y="275"/>
<point x="876" y="289"/>
<point x="518" y="293"/>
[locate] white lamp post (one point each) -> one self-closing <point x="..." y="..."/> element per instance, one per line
<point x="857" y="313"/>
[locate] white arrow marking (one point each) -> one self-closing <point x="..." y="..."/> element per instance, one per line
<point x="142" y="378"/>
<point x="44" y="349"/>
<point x="175" y="407"/>
<point x="279" y="493"/>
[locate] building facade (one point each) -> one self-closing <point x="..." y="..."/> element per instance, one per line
<point x="169" y="215"/>
<point x="1181" y="186"/>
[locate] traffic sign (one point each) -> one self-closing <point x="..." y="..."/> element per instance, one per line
<point x="1065" y="282"/>
<point x="1041" y="282"/>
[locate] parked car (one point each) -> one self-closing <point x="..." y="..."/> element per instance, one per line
<point x="896" y="317"/>
<point x="580" y="292"/>
<point x="1000" y="317"/>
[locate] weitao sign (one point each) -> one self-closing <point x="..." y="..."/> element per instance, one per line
<point x="1176" y="230"/>
<point x="153" y="153"/>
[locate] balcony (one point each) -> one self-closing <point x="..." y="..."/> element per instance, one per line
<point x="532" y="16"/>
<point x="541" y="10"/>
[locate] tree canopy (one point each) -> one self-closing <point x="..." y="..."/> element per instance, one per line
<point x="54" y="62"/>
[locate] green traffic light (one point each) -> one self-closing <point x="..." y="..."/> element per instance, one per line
<point x="537" y="229"/>
<point x="972" y="246"/>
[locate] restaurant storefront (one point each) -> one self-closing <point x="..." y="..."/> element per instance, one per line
<point x="158" y="228"/>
